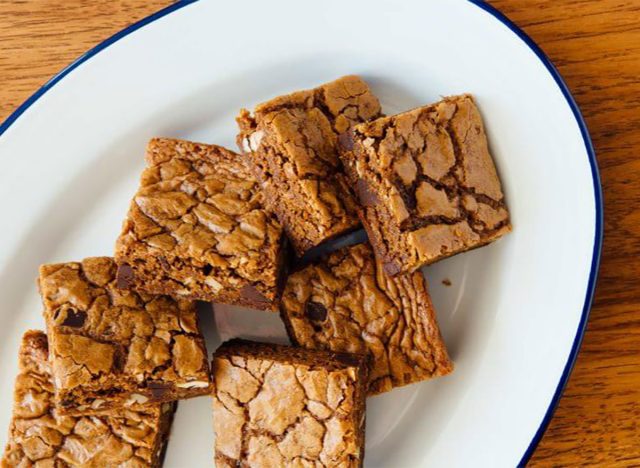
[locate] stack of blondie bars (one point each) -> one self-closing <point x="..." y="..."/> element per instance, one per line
<point x="123" y="343"/>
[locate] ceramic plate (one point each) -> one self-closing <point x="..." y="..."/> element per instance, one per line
<point x="515" y="311"/>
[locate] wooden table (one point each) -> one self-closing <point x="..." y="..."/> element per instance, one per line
<point x="596" y="46"/>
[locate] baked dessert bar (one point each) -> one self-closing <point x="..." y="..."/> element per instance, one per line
<point x="427" y="183"/>
<point x="345" y="302"/>
<point x="280" y="406"/>
<point x="293" y="144"/>
<point x="112" y="348"/>
<point x="40" y="436"/>
<point x="197" y="229"/>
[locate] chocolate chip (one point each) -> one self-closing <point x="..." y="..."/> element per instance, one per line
<point x="124" y="277"/>
<point x="367" y="196"/>
<point x="350" y="359"/>
<point x="346" y="141"/>
<point x="250" y="293"/>
<point x="391" y="268"/>
<point x="119" y="357"/>
<point x="207" y="269"/>
<point x="159" y="389"/>
<point x="74" y="318"/>
<point x="315" y="311"/>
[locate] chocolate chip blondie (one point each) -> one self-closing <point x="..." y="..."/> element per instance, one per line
<point x="197" y="229"/>
<point x="293" y="144"/>
<point x="280" y="406"/>
<point x="40" y="436"/>
<point x="112" y="348"/>
<point x="427" y="183"/>
<point x="345" y="302"/>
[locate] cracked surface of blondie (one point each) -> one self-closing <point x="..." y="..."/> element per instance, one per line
<point x="427" y="184"/>
<point x="293" y="144"/>
<point x="288" y="407"/>
<point x="113" y="348"/>
<point x="197" y="229"/>
<point x="347" y="303"/>
<point x="39" y="436"/>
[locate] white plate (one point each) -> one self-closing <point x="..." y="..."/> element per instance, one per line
<point x="515" y="313"/>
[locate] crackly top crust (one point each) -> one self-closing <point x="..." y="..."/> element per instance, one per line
<point x="294" y="143"/>
<point x="197" y="228"/>
<point x="39" y="436"/>
<point x="345" y="302"/>
<point x="427" y="183"/>
<point x="105" y="338"/>
<point x="280" y="406"/>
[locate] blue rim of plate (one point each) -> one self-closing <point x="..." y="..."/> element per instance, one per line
<point x="597" y="188"/>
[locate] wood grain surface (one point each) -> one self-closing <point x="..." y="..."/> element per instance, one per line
<point x="596" y="46"/>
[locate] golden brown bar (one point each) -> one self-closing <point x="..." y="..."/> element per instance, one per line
<point x="427" y="184"/>
<point x="197" y="229"/>
<point x="346" y="302"/>
<point x="281" y="406"/>
<point x="40" y="436"/>
<point x="112" y="348"/>
<point x="293" y="143"/>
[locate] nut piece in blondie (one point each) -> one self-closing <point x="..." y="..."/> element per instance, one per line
<point x="40" y="436"/>
<point x="293" y="144"/>
<point x="346" y="302"/>
<point x="113" y="348"/>
<point x="427" y="183"/>
<point x="280" y="406"/>
<point x="197" y="229"/>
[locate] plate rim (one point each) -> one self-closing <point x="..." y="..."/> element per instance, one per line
<point x="599" y="218"/>
<point x="555" y="74"/>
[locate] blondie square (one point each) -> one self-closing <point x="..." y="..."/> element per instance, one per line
<point x="347" y="303"/>
<point x="197" y="229"/>
<point x="293" y="144"/>
<point x="427" y="184"/>
<point x="112" y="348"/>
<point x="40" y="436"/>
<point x="280" y="406"/>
